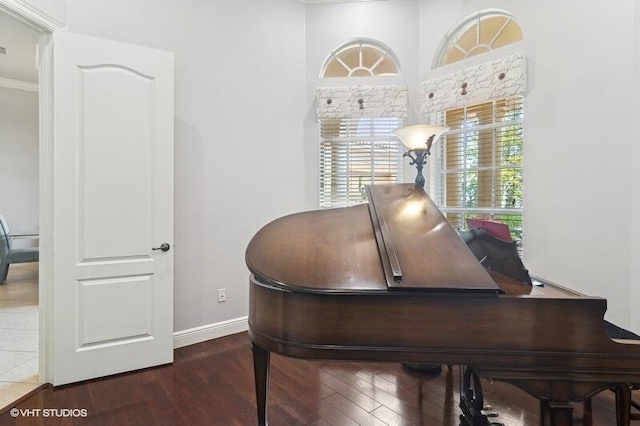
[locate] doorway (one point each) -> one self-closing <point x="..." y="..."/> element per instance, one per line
<point x="19" y="205"/>
<point x="111" y="308"/>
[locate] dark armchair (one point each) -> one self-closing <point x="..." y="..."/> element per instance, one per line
<point x="8" y="255"/>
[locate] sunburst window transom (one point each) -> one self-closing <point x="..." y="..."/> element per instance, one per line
<point x="360" y="58"/>
<point x="477" y="34"/>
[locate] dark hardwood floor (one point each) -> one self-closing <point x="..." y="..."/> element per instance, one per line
<point x="211" y="383"/>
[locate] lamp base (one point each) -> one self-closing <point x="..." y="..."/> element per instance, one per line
<point x="419" y="160"/>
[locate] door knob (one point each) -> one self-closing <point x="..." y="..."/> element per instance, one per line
<point x="163" y="247"/>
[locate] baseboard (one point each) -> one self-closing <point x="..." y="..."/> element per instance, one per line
<point x="211" y="331"/>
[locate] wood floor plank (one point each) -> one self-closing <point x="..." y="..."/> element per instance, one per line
<point x="301" y="380"/>
<point x="302" y="407"/>
<point x="333" y="416"/>
<point x="279" y="415"/>
<point x="399" y="377"/>
<point x="355" y="412"/>
<point x="320" y="422"/>
<point x="390" y="417"/>
<point x="354" y="395"/>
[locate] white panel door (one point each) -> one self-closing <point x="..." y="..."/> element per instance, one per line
<point x="113" y="207"/>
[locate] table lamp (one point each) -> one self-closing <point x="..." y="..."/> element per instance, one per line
<point x="419" y="139"/>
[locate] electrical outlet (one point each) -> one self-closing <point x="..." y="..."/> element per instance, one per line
<point x="222" y="295"/>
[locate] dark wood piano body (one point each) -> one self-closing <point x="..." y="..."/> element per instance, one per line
<point x="321" y="289"/>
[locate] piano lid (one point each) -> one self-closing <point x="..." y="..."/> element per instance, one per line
<point x="418" y="248"/>
<point x="337" y="250"/>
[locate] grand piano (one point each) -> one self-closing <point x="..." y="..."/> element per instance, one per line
<point x="391" y="280"/>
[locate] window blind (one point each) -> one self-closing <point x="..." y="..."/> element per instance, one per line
<point x="477" y="170"/>
<point x="355" y="152"/>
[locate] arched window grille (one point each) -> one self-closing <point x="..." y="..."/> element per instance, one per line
<point x="360" y="58"/>
<point x="478" y="33"/>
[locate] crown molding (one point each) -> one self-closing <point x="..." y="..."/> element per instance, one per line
<point x="32" y="15"/>
<point x="18" y="84"/>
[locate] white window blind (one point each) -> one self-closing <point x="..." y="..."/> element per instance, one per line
<point x="355" y="152"/>
<point x="477" y="169"/>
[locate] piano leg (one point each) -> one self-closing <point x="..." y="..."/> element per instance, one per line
<point x="261" y="372"/>
<point x="544" y="413"/>
<point x="560" y="413"/>
<point x="623" y="405"/>
<point x="587" y="413"/>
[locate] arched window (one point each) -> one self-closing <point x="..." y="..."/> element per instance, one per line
<point x="477" y="169"/>
<point x="360" y="58"/>
<point x="356" y="145"/>
<point x="477" y="34"/>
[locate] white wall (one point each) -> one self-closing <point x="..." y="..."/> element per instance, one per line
<point x="239" y="137"/>
<point x="578" y="205"/>
<point x="254" y="66"/>
<point x="393" y="23"/>
<point x="19" y="158"/>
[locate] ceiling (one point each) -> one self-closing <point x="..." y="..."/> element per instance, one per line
<point x="19" y="40"/>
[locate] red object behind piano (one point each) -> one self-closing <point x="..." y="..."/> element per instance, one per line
<point x="497" y="229"/>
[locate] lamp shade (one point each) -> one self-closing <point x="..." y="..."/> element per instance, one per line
<point x="415" y="137"/>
